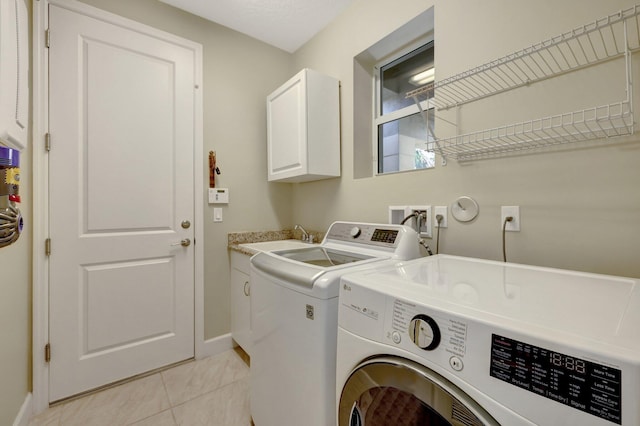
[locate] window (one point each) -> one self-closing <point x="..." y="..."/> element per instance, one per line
<point x="402" y="130"/>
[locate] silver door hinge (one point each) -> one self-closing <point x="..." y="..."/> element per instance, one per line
<point x="47" y="247"/>
<point x="47" y="38"/>
<point x="47" y="352"/>
<point x="47" y="141"/>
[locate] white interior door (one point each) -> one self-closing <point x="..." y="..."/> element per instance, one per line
<point x="121" y="185"/>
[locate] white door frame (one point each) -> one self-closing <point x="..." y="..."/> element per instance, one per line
<point x="40" y="207"/>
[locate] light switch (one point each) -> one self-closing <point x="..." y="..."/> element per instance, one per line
<point x="217" y="214"/>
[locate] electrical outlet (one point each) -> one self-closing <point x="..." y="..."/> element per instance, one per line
<point x="514" y="212"/>
<point x="440" y="210"/>
<point x="425" y="226"/>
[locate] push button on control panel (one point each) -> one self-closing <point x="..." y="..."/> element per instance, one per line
<point x="456" y="363"/>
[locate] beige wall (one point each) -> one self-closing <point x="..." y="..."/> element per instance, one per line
<point x="15" y="312"/>
<point x="579" y="207"/>
<point x="15" y="309"/>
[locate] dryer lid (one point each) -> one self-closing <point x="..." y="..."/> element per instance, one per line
<point x="601" y="308"/>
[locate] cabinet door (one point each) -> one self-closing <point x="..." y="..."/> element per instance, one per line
<point x="241" y="309"/>
<point x="303" y="128"/>
<point x="286" y="127"/>
<point x="14" y="73"/>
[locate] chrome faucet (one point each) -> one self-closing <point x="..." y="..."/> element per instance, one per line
<point x="305" y="235"/>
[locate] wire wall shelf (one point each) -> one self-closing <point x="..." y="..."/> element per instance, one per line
<point x="612" y="37"/>
<point x="595" y="123"/>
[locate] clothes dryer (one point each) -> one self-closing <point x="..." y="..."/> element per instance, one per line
<point x="447" y="340"/>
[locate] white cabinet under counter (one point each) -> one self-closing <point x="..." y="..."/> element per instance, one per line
<point x="241" y="300"/>
<point x="240" y="266"/>
<point x="303" y="129"/>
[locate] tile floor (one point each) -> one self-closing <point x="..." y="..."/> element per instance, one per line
<point x="210" y="392"/>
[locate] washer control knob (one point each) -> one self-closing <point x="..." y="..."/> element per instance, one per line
<point x="456" y="363"/>
<point x="355" y="232"/>
<point x="395" y="336"/>
<point x="424" y="332"/>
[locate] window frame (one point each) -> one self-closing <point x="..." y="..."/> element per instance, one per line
<point x="380" y="119"/>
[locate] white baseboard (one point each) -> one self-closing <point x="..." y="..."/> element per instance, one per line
<point x="24" y="415"/>
<point x="216" y="345"/>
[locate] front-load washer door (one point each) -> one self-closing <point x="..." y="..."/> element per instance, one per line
<point x="387" y="391"/>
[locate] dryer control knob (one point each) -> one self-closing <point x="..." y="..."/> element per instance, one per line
<point x="355" y="232"/>
<point x="424" y="332"/>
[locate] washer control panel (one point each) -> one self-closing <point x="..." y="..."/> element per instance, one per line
<point x="389" y="240"/>
<point x="363" y="233"/>
<point x="425" y="331"/>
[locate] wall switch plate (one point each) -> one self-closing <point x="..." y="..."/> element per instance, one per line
<point x="514" y="212"/>
<point x="440" y="210"/>
<point x="217" y="214"/>
<point x="218" y="195"/>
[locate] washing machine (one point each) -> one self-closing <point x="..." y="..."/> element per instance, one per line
<point x="294" y="318"/>
<point x="449" y="340"/>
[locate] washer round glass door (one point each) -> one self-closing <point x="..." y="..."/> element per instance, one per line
<point x="394" y="391"/>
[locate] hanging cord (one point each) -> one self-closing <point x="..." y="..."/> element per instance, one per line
<point x="412" y="215"/>
<point x="426" y="247"/>
<point x="421" y="218"/>
<point x="504" y="231"/>
<point x="438" y="219"/>
<point x="418" y="216"/>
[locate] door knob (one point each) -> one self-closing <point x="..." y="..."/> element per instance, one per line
<point x="184" y="243"/>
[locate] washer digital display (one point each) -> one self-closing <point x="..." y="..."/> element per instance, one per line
<point x="584" y="385"/>
<point x="384" y="235"/>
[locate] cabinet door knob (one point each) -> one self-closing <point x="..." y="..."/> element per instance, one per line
<point x="247" y="288"/>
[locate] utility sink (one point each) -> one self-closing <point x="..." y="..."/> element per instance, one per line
<point x="276" y="245"/>
<point x="320" y="256"/>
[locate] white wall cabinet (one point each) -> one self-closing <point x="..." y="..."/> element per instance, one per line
<point x="241" y="301"/>
<point x="303" y="129"/>
<point x="14" y="73"/>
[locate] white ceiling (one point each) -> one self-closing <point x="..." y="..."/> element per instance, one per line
<point x="286" y="24"/>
